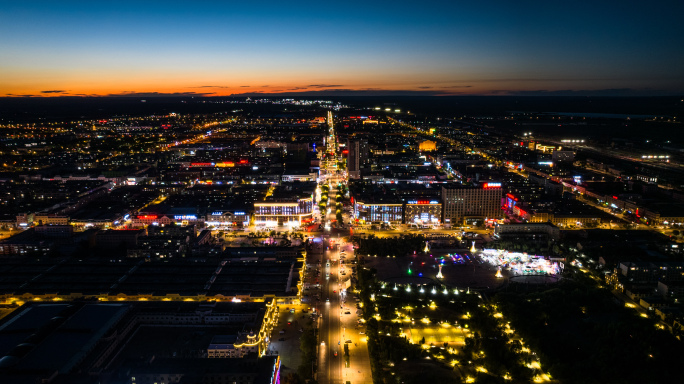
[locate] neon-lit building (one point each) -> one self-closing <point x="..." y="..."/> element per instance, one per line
<point x="145" y="218"/>
<point x="423" y="212"/>
<point x="235" y="218"/>
<point x="277" y="212"/>
<point x="175" y="216"/>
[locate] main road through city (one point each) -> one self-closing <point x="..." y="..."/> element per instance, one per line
<point x="331" y="346"/>
<point x="338" y="323"/>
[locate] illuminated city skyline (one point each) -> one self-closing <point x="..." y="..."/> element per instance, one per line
<point x="210" y="48"/>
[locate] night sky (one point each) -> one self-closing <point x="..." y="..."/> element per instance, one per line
<point x="52" y="48"/>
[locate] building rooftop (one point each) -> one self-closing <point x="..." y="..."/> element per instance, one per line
<point x="43" y="339"/>
<point x="259" y="370"/>
<point x="244" y="276"/>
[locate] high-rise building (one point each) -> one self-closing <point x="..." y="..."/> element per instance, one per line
<point x="464" y="204"/>
<point x="357" y="157"/>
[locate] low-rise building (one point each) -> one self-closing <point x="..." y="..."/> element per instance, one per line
<point x="43" y="219"/>
<point x="228" y="218"/>
<point x="644" y="271"/>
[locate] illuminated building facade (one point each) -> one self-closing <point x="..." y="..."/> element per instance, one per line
<point x="227" y="219"/>
<point x="427" y="145"/>
<point x="423" y="212"/>
<point x="145" y="219"/>
<point x="280" y="212"/>
<point x="463" y="204"/>
<point x="50" y="220"/>
<point x="379" y="212"/>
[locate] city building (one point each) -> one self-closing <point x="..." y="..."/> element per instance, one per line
<point x="376" y="210"/>
<point x="427" y="146"/>
<point x="357" y="157"/>
<point x="41" y="219"/>
<point x="112" y="238"/>
<point x="68" y="342"/>
<point x="261" y="370"/>
<point x="469" y="204"/>
<point x="241" y="277"/>
<point x="25" y="243"/>
<point x="652" y="272"/>
<point x="290" y="204"/>
<point x="423" y="212"/>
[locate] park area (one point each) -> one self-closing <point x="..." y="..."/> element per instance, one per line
<point x="459" y="268"/>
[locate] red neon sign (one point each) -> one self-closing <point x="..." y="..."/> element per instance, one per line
<point x="491" y="185"/>
<point x="147" y="217"/>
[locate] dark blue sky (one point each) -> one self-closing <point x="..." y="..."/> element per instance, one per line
<point x="441" y="47"/>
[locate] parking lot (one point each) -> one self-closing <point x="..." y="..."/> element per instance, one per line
<point x="292" y="321"/>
